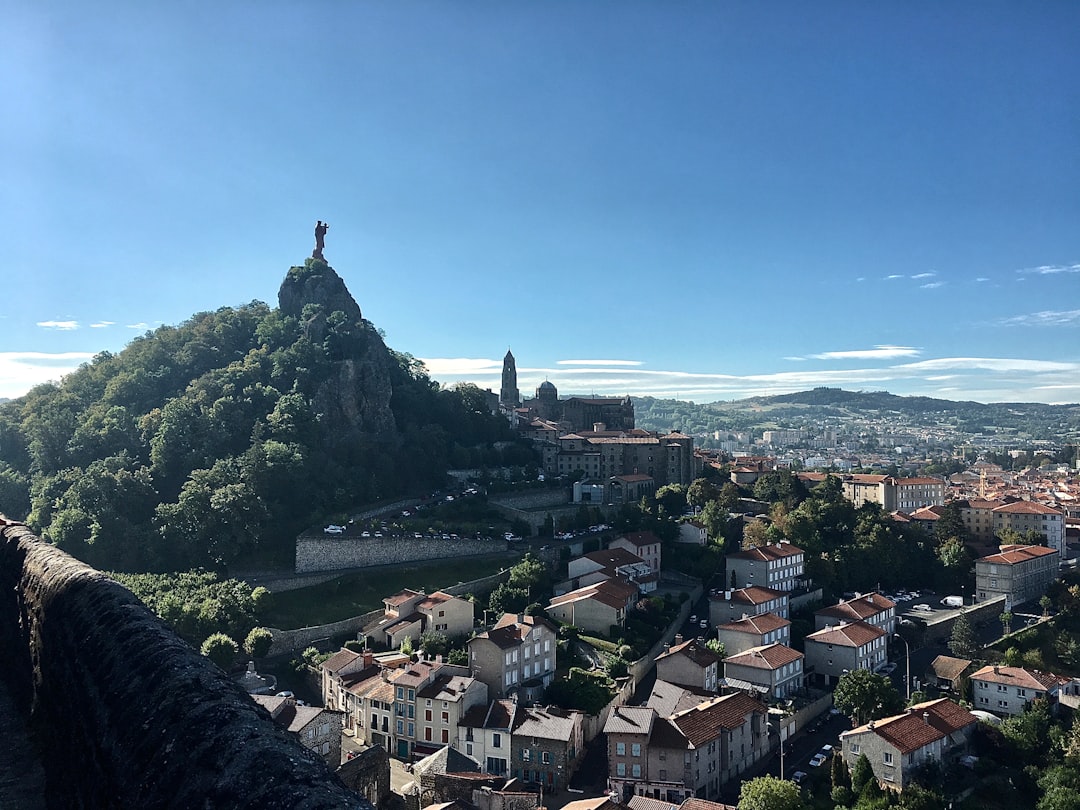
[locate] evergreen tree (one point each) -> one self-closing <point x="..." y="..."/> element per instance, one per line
<point x="861" y="774"/>
<point x="963" y="643"/>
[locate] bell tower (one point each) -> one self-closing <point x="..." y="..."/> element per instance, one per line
<point x="509" y="397"/>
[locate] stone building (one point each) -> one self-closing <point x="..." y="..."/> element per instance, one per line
<point x="689" y="663"/>
<point x="317" y="729"/>
<point x="844" y="648"/>
<point x="547" y="745"/>
<point x="509" y="397"/>
<point x="1009" y="690"/>
<point x="1020" y="573"/>
<point x="754" y="631"/>
<point x="898" y="746"/>
<point x="367" y="772"/>
<point x="730" y="606"/>
<point x="517" y="653"/>
<point x="1027" y="516"/>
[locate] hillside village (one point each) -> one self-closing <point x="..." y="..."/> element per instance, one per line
<point x="687" y="683"/>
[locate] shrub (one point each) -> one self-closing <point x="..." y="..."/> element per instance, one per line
<point x="220" y="649"/>
<point x="258" y="642"/>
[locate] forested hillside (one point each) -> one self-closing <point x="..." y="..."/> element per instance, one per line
<point x="219" y="439"/>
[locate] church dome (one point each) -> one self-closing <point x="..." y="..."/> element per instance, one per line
<point x="546" y="391"/>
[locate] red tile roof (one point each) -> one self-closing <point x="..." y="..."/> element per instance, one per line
<point x="1017" y="554"/>
<point x="773" y="551"/>
<point x="757" y="625"/>
<point x="921" y="725"/>
<point x="771" y="656"/>
<point x="754" y="595"/>
<point x="704" y="722"/>
<point x="859" y="608"/>
<point x="855" y="634"/>
<point x="694" y="650"/>
<point x="1018" y="676"/>
<point x="1026" y="508"/>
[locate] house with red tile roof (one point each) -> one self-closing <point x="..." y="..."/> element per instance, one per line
<point x="645" y="545"/>
<point x="872" y="608"/>
<point x="774" y="670"/>
<point x="732" y="605"/>
<point x="898" y="746"/>
<point x="844" y="648"/>
<point x="595" y="608"/>
<point x="518" y="653"/>
<point x="1025" y="516"/>
<point x="754" y="631"/>
<point x="1009" y="690"/>
<point x="689" y="663"/>
<point x="1019" y="573"/>
<point x="690" y="753"/>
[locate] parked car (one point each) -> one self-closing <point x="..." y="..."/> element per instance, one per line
<point x="332" y="529"/>
<point x="817" y="760"/>
<point x="922" y="608"/>
<point x="886" y="669"/>
<point x="798" y="777"/>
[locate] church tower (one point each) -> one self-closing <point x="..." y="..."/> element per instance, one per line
<point x="509" y="398"/>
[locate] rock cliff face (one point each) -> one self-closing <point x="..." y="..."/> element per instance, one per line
<point x="354" y="400"/>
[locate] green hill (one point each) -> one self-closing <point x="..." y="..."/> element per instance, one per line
<point x="217" y="440"/>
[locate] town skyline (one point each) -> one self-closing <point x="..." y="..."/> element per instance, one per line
<point x="726" y="202"/>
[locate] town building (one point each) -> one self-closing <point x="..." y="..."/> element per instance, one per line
<point x="644" y="545"/>
<point x="612" y="563"/>
<point x="484" y="734"/>
<point x="410" y="614"/>
<point x="690" y="754"/>
<point x="773" y="670"/>
<point x="689" y="663"/>
<point x="844" y="648"/>
<point x="509" y="396"/>
<point x="693" y="532"/>
<point x="1008" y="690"/>
<point x="317" y="729"/>
<point x="518" y="653"/>
<point x="440" y="706"/>
<point x="1020" y="573"/>
<point x="596" y="608"/>
<point x="547" y="745"/>
<point x="897" y="747"/>
<point x="754" y="631"/>
<point x="872" y="608"/>
<point x="1031" y="516"/>
<point x="778" y="566"/>
<point x="732" y="605"/>
<point x="903" y="494"/>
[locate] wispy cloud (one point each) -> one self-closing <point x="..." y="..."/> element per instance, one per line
<point x="876" y="353"/>
<point x="933" y="285"/>
<point x="62" y="326"/>
<point x="977" y="378"/>
<point x="1069" y="317"/>
<point x="102" y="324"/>
<point x="598" y="362"/>
<point x="924" y="275"/>
<point x="1050" y="269"/>
<point x="139" y="325"/>
<point x="21" y="371"/>
<point x="982" y="279"/>
<point x="893" y="275"/>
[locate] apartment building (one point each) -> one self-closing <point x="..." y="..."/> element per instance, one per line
<point x="777" y="565"/>
<point x="844" y="648"/>
<point x="410" y="614"/>
<point x="440" y="706"/>
<point x="546" y="746"/>
<point x="1020" y="573"/>
<point x="872" y="608"/>
<point x="754" y="631"/>
<point x="904" y="494"/>
<point x="595" y="608"/>
<point x="1009" y="690"/>
<point x="518" y="652"/>
<point x="773" y="670"/>
<point x="644" y="545"/>
<point x="1025" y="516"/>
<point x="732" y="605"/>
<point x="689" y="663"/>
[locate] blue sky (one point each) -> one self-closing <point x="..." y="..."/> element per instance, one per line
<point x="707" y="200"/>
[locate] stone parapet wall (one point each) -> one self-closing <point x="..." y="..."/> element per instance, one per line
<point x="287" y="642"/>
<point x="338" y="553"/>
<point x="124" y="712"/>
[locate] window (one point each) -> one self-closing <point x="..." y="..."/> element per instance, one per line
<point x="427" y="734"/>
<point x="401" y="693"/>
<point x="636" y="771"/>
<point x="620" y="749"/>
<point x="663" y="775"/>
<point x="620" y="769"/>
<point x="427" y="702"/>
<point x="427" y="715"/>
<point x="854" y="748"/>
<point x="446" y="717"/>
<point x="1021" y="692"/>
<point x="468" y="748"/>
<point x="412" y="694"/>
<point x="525" y="754"/>
<point x="496" y="740"/>
<point x="545" y="757"/>
<point x="635" y="750"/>
<point x="412" y="729"/>
<point x="887" y="758"/>
<point x="400" y="726"/>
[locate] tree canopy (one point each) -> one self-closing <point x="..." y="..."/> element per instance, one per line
<point x="863" y="696"/>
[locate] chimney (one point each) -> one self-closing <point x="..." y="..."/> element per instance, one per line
<point x="678" y="639"/>
<point x="870" y="724"/>
<point x="997" y="670"/>
<point x="598" y="427"/>
<point x="727" y="596"/>
<point x="521" y="618"/>
<point x="926" y="717"/>
<point x="369" y="658"/>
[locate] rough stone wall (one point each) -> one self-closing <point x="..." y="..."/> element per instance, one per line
<point x="123" y="713"/>
<point x="368" y="773"/>
<point x="336" y="553"/>
<point x="289" y="641"/>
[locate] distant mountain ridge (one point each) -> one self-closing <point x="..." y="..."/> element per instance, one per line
<point x="1033" y="421"/>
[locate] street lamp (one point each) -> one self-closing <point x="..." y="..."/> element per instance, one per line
<point x="780" y="736"/>
<point x="907" y="663"/>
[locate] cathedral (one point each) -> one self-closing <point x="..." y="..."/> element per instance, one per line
<point x="573" y="414"/>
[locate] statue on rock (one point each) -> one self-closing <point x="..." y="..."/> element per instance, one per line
<point x="320" y="234"/>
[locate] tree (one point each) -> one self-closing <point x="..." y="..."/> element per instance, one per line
<point x="864" y="696"/>
<point x="861" y="774"/>
<point x="508" y="599"/>
<point x="716" y="645"/>
<point x="700" y="492"/>
<point x="258" y="642"/>
<point x="220" y="649"/>
<point x="839" y="774"/>
<point x="434" y="643"/>
<point x="407" y="645"/>
<point x="770" y="793"/>
<point x="1006" y="622"/>
<point x="1045" y="602"/>
<point x="528" y="573"/>
<point x="963" y="643"/>
<point x="673" y="498"/>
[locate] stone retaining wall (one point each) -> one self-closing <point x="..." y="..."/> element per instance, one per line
<point x="338" y="553"/>
<point x="123" y="712"/>
<point x="287" y="642"/>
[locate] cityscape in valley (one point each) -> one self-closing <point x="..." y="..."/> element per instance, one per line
<point x="819" y="609"/>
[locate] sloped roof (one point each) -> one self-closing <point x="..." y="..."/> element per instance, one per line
<point x="945" y="666"/>
<point x="754" y="595"/>
<point x="770" y="656"/>
<point x="613" y="557"/>
<point x="611" y="592"/>
<point x="919" y="726"/>
<point x="639" y="539"/>
<point x="446" y="760"/>
<point x="629" y="720"/>
<point x="694" y="650"/>
<point x="401" y="597"/>
<point x="338" y="660"/>
<point x="767" y="553"/>
<point x="703" y="722"/>
<point x="548" y="723"/>
<point x="694" y="803"/>
<point x="667" y="698"/>
<point x="1014" y="555"/>
<point x="1018" y="676"/>
<point x="1026" y="508"/>
<point x="855" y="634"/>
<point x="512" y="629"/>
<point x="858" y="609"/>
<point x="756" y="625"/>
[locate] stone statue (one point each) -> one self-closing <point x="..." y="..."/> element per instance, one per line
<point x="320" y="234"/>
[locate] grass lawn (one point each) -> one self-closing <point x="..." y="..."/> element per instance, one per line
<point x="354" y="594"/>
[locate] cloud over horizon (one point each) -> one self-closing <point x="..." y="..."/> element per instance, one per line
<point x="62" y="326"/>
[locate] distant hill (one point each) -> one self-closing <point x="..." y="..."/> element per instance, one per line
<point x="217" y="440"/>
<point x="1029" y="421"/>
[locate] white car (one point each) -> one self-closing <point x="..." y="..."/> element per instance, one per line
<point x="703" y="624"/>
<point x="887" y="669"/>
<point x="332" y="529"/>
<point x="817" y="760"/>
